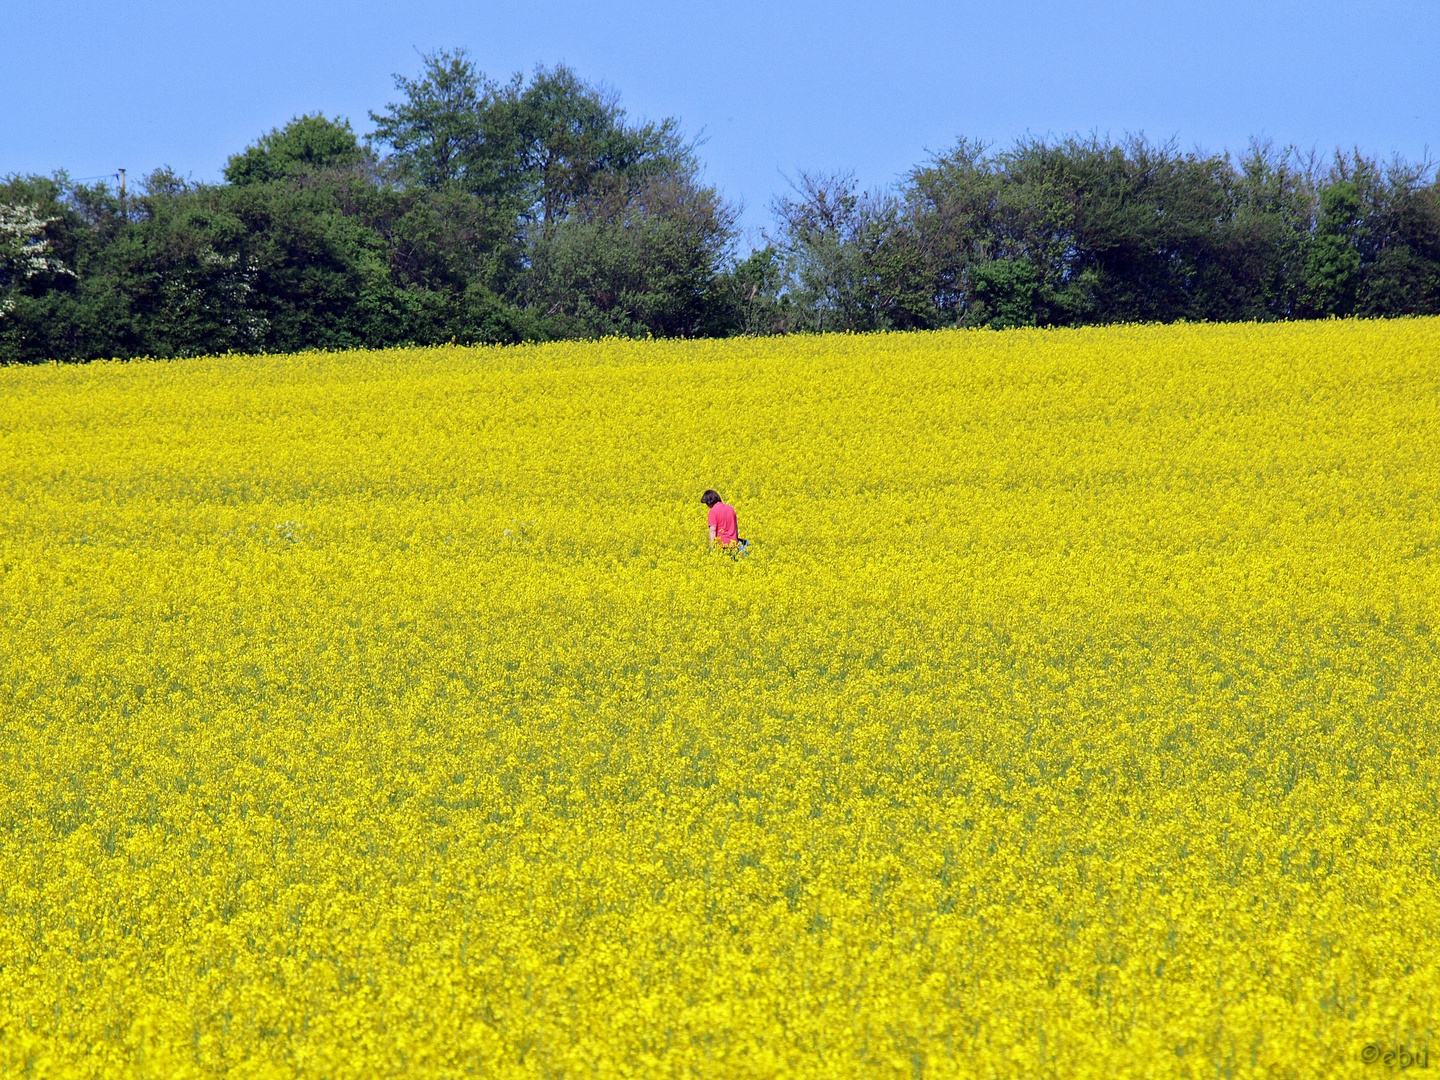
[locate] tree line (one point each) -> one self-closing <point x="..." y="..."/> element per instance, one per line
<point x="480" y="210"/>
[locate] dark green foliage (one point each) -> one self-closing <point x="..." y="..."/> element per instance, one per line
<point x="1005" y="293"/>
<point x="503" y="213"/>
<point x="437" y="134"/>
<point x="749" y="296"/>
<point x="1396" y="230"/>
<point x="1332" y="268"/>
<point x="306" y="144"/>
<point x="853" y="261"/>
<point x="488" y="211"/>
<point x="634" y="262"/>
<point x="534" y="148"/>
<point x="1088" y="231"/>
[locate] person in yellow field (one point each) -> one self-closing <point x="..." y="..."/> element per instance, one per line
<point x="724" y="528"/>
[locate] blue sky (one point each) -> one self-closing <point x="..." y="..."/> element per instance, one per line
<point x="773" y="87"/>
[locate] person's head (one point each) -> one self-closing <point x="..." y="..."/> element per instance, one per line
<point x="710" y="498"/>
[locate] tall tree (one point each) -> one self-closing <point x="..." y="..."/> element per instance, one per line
<point x="1332" y="268"/>
<point x="536" y="147"/>
<point x="436" y="132"/>
<point x="570" y="134"/>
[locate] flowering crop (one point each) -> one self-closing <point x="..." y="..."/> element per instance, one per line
<point x="384" y="714"/>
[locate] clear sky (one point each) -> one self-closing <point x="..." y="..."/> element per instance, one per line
<point x="772" y="86"/>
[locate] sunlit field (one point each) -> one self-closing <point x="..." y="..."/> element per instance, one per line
<point x="1073" y="713"/>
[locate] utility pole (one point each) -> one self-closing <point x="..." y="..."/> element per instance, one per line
<point x="121" y="174"/>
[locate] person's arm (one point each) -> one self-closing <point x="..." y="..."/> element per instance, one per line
<point x="712" y="535"/>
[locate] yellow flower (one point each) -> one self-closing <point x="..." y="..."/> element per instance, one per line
<point x="382" y="714"/>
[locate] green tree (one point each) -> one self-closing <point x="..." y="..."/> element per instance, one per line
<point x="533" y="148"/>
<point x="1005" y="294"/>
<point x="306" y="144"/>
<point x="436" y="133"/>
<point x="635" y="262"/>
<point x="1398" y="236"/>
<point x="1332" y="267"/>
<point x="1264" y="235"/>
<point x="36" y="262"/>
<point x="851" y="259"/>
<point x="571" y="135"/>
<point x="752" y="295"/>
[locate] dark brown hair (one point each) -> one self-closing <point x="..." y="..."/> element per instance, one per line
<point x="710" y="498"/>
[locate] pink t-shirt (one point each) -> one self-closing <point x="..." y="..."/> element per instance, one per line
<point x="722" y="520"/>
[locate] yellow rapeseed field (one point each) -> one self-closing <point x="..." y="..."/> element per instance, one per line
<point x="384" y="714"/>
